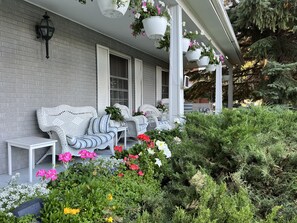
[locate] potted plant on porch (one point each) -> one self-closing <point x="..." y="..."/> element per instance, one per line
<point x="116" y="118"/>
<point x="113" y="8"/>
<point x="150" y="18"/>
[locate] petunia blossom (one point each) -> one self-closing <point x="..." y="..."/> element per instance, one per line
<point x="158" y="162"/>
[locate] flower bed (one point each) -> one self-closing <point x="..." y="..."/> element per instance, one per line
<point x="235" y="167"/>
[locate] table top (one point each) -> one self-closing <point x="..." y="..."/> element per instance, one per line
<point x="122" y="128"/>
<point x="31" y="141"/>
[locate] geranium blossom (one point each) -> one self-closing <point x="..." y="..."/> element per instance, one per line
<point x="84" y="154"/>
<point x="144" y="137"/>
<point x="41" y="173"/>
<point x="65" y="157"/>
<point x="133" y="167"/>
<point x="133" y="156"/>
<point x="120" y="175"/>
<point x="118" y="148"/>
<point x="51" y="174"/>
<point x="140" y="173"/>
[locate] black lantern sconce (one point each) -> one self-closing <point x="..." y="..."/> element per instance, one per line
<point x="45" y="30"/>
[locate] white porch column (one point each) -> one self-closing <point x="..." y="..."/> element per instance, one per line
<point x="219" y="90"/>
<point x="230" y="87"/>
<point x="176" y="92"/>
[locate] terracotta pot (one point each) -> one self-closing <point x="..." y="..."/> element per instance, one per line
<point x="110" y="9"/>
<point x="155" y="26"/>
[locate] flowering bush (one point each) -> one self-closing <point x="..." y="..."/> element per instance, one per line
<point x="15" y="194"/>
<point x="146" y="157"/>
<point x="145" y="9"/>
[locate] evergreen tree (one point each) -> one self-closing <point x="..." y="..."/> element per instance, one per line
<point x="266" y="32"/>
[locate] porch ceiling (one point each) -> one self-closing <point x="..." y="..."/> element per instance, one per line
<point x="197" y="13"/>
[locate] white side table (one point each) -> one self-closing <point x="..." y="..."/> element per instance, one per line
<point x="122" y="129"/>
<point x="30" y="143"/>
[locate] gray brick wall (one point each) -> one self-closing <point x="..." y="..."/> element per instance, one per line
<point x="28" y="80"/>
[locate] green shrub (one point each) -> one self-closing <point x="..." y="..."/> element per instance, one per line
<point x="253" y="148"/>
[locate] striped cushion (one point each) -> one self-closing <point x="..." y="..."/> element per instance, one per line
<point x="89" y="141"/>
<point x="99" y="125"/>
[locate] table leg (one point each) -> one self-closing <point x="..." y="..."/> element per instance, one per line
<point x="33" y="159"/>
<point x="30" y="164"/>
<point x="125" y="138"/>
<point x="9" y="159"/>
<point x="116" y="138"/>
<point x="54" y="155"/>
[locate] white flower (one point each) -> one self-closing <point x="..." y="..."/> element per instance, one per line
<point x="137" y="15"/>
<point x="202" y="33"/>
<point x="196" y="32"/>
<point x="150" y="151"/>
<point x="163" y="147"/>
<point x="158" y="162"/>
<point x="151" y="2"/>
<point x="184" y="23"/>
<point x="177" y="121"/>
<point x="144" y="8"/>
<point x="167" y="152"/>
<point x="177" y="140"/>
<point x="162" y="3"/>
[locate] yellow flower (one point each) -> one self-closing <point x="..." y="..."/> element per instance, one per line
<point x="110" y="219"/>
<point x="109" y="197"/>
<point x="71" y="211"/>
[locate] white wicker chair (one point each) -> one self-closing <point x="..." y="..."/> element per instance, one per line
<point x="156" y="118"/>
<point x="136" y="124"/>
<point x="66" y="120"/>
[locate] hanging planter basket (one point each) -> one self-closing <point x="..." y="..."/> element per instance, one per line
<point x="155" y="27"/>
<point x="193" y="55"/>
<point x="110" y="9"/>
<point x="186" y="44"/>
<point x="203" y="62"/>
<point x="211" y="67"/>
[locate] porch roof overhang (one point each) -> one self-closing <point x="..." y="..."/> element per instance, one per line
<point x="206" y="15"/>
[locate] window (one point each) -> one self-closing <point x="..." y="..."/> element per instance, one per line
<point x="119" y="80"/>
<point x="165" y="84"/>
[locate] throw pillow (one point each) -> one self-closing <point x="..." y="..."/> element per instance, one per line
<point x="99" y="125"/>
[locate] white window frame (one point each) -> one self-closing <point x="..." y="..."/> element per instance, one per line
<point x="124" y="56"/>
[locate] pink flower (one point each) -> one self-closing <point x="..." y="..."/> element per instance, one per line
<point x="133" y="156"/>
<point x="51" y="174"/>
<point x="118" y="148"/>
<point x="65" y="157"/>
<point x="84" y="154"/>
<point x="159" y="10"/>
<point x="41" y="173"/>
<point x="140" y="173"/>
<point x="134" y="167"/>
<point x="120" y="175"/>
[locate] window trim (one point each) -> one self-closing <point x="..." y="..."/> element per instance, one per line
<point x="124" y="56"/>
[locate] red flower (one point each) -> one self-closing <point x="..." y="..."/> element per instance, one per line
<point x="120" y="175"/>
<point x="118" y="148"/>
<point x="144" y="137"/>
<point x="134" y="167"/>
<point x="140" y="173"/>
<point x="133" y="156"/>
<point x="151" y="144"/>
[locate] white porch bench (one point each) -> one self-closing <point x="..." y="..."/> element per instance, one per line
<point x="71" y="127"/>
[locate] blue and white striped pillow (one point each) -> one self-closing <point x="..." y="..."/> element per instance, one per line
<point x="99" y="125"/>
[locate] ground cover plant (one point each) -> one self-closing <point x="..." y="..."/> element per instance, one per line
<point x="238" y="166"/>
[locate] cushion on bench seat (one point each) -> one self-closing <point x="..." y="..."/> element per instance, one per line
<point x="89" y="141"/>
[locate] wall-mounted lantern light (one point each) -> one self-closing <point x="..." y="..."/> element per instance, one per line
<point x="45" y="30"/>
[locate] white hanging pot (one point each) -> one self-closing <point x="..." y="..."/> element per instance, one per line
<point x="155" y="26"/>
<point x="186" y="44"/>
<point x="110" y="9"/>
<point x="193" y="55"/>
<point x="211" y="67"/>
<point x="203" y="62"/>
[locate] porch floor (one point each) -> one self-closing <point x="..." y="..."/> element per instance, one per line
<point x="46" y="164"/>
